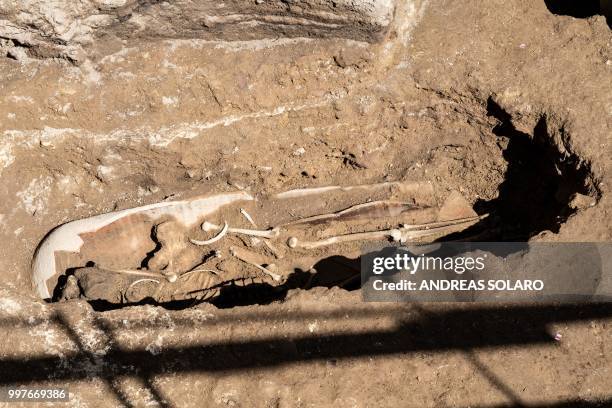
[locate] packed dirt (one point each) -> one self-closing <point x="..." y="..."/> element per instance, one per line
<point x="508" y="103"/>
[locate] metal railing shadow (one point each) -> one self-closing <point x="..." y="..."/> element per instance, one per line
<point x="463" y="329"/>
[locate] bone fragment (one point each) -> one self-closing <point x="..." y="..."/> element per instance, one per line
<point x="272" y="233"/>
<point x="244" y="257"/>
<point x="248" y="217"/>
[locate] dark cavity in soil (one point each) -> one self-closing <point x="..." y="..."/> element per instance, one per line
<point x="539" y="183"/>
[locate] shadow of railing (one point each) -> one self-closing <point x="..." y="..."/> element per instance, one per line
<point x="431" y="330"/>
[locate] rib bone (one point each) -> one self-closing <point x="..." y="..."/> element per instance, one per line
<point x="272" y="233"/>
<point x="214" y="239"/>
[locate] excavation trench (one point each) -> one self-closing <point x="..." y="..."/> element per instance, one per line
<point x="540" y="187"/>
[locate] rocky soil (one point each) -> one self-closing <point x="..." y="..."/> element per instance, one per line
<point x="507" y="102"/>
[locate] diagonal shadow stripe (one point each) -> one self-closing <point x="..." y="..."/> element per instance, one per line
<point x="493" y="327"/>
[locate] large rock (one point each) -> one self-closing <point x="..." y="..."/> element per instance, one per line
<point x="67" y="28"/>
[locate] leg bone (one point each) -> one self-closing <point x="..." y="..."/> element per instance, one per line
<point x="403" y="234"/>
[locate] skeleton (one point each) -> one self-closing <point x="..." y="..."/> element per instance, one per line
<point x="193" y="248"/>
